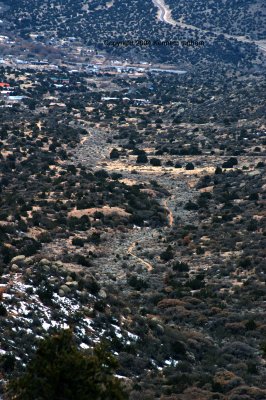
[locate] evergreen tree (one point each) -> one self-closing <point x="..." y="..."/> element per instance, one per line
<point x="142" y="157"/>
<point x="114" y="155"/>
<point x="60" y="371"/>
<point x="189" y="166"/>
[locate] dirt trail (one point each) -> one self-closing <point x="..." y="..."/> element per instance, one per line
<point x="145" y="263"/>
<point x="94" y="151"/>
<point x="170" y="213"/>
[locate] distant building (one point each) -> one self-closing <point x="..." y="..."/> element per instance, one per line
<point x="141" y="101"/>
<point x="18" y="61"/>
<point x="16" y="97"/>
<point x="5" y="92"/>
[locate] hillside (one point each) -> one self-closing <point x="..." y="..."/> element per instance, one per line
<point x="97" y="22"/>
<point x="132" y="192"/>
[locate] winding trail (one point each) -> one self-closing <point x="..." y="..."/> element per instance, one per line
<point x="93" y="151"/>
<point x="170" y="213"/>
<point x="145" y="263"/>
<point x="164" y="12"/>
<point x="165" y="15"/>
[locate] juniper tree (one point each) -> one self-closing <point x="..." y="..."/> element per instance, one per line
<point x="60" y="371"/>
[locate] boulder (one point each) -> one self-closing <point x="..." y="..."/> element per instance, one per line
<point x="102" y="294"/>
<point x="28" y="271"/>
<point x="44" y="261"/>
<point x="58" y="264"/>
<point x="160" y="329"/>
<point x="65" y="289"/>
<point x="19" y="260"/>
<point x="28" y="261"/>
<point x="73" y="284"/>
<point x="14" y="268"/>
<point x="53" y="279"/>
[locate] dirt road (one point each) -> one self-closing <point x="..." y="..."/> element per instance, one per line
<point x="164" y="13"/>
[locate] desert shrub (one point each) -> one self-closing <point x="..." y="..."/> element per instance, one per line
<point x="3" y="311"/>
<point x="155" y="162"/>
<point x="190" y="166"/>
<point x="230" y="163"/>
<point x="137" y="283"/>
<point x="82" y="260"/>
<point x="114" y="155"/>
<point x="78" y="242"/>
<point x="7" y="363"/>
<point x="168" y="254"/>
<point x="180" y="266"/>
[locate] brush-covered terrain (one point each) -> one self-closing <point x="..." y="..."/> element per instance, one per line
<point x="132" y="199"/>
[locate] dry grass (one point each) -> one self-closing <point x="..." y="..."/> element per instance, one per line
<point x="106" y="210"/>
<point x="149" y="169"/>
